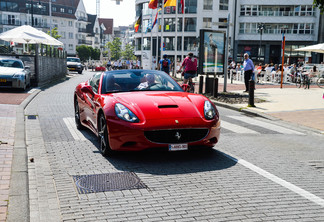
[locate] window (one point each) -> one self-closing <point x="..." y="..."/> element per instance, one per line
<point x="12" y="20"/>
<point x="169" y="25"/>
<point x="179" y="43"/>
<point x="224" y="20"/>
<point x="62" y="10"/>
<point x="71" y="47"/>
<point x="62" y="35"/>
<point x="54" y="9"/>
<point x="208" y="4"/>
<point x="207" y="23"/>
<point x="179" y="24"/>
<point x="191" y="6"/>
<point x="190" y="24"/>
<point x="223" y="4"/>
<point x="146" y="43"/>
<point x="70" y="23"/>
<point x="190" y="43"/>
<point x="94" y="82"/>
<point x="70" y="11"/>
<point x="70" y="35"/>
<point x="169" y="43"/>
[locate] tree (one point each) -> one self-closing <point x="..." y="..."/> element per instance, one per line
<point x="128" y="53"/>
<point x="115" y="49"/>
<point x="54" y="33"/>
<point x="319" y="4"/>
<point x="84" y="52"/>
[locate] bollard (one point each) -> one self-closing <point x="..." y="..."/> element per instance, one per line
<point x="215" y="91"/>
<point x="251" y="93"/>
<point x="201" y="83"/>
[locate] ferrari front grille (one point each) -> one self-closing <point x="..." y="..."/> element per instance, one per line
<point x="172" y="136"/>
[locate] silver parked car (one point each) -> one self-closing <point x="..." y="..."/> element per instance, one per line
<point x="14" y="74"/>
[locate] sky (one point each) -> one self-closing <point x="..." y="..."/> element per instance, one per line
<point x="123" y="14"/>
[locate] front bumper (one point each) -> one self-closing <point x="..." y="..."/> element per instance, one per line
<point x="10" y="82"/>
<point x="133" y="137"/>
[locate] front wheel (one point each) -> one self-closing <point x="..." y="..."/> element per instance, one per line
<point x="103" y="136"/>
<point x="320" y="82"/>
<point x="77" y="116"/>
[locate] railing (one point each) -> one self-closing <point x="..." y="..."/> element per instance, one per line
<point x="7" y="22"/>
<point x="82" y="30"/>
<point x="83" y="19"/>
<point x="83" y="41"/>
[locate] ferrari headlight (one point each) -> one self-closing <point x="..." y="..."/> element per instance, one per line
<point x="125" y="114"/>
<point x="209" y="111"/>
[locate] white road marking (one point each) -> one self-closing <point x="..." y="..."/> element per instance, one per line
<point x="266" y="125"/>
<point x="282" y="182"/>
<point x="236" y="128"/>
<point x="77" y="135"/>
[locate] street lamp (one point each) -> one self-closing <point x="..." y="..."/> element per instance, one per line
<point x="32" y="10"/>
<point x="260" y="29"/>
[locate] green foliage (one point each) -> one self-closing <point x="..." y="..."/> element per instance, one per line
<point x="54" y="33"/>
<point x="86" y="52"/>
<point x="319" y="4"/>
<point x="115" y="49"/>
<point x="128" y="53"/>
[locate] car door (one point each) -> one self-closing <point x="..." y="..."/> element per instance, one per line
<point x="92" y="100"/>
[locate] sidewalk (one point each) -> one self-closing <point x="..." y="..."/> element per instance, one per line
<point x="303" y="107"/>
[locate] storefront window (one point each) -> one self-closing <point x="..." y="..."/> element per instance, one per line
<point x="190" y="24"/>
<point x="169" y="25"/>
<point x="169" y="43"/>
<point x="190" y="43"/>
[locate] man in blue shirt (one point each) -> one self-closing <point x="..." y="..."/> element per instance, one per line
<point x="165" y="64"/>
<point x="248" y="70"/>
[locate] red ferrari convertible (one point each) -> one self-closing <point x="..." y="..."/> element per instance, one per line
<point x="140" y="109"/>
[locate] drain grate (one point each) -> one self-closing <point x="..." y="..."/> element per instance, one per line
<point x="107" y="182"/>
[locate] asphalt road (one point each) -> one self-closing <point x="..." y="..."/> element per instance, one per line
<point x="260" y="170"/>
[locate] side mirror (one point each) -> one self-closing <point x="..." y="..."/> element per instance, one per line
<point x="27" y="67"/>
<point x="87" y="89"/>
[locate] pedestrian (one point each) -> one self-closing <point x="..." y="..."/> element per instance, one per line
<point x="248" y="70"/>
<point x="190" y="67"/>
<point x="165" y="64"/>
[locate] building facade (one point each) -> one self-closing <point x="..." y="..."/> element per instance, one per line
<point x="180" y="31"/>
<point x="74" y="25"/>
<point x="256" y="28"/>
<point x="260" y="25"/>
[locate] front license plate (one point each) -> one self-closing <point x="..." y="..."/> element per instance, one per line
<point x="3" y="80"/>
<point x="72" y="68"/>
<point x="177" y="147"/>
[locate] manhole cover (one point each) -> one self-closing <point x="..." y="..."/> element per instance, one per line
<point x="107" y="182"/>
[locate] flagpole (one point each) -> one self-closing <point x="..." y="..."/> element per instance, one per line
<point x="142" y="29"/>
<point x="162" y="28"/>
<point x="183" y="24"/>
<point x="176" y="42"/>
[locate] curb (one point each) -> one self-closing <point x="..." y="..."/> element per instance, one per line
<point x="18" y="208"/>
<point x="263" y="115"/>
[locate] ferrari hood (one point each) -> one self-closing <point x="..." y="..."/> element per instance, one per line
<point x="5" y="71"/>
<point x="163" y="105"/>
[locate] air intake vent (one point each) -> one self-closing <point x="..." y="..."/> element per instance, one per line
<point x="168" y="106"/>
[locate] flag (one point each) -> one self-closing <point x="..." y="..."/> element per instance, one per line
<point x="138" y="23"/>
<point x="155" y="20"/>
<point x="153" y="4"/>
<point x="182" y="6"/>
<point x="169" y="3"/>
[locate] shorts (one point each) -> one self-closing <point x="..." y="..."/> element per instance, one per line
<point x="188" y="75"/>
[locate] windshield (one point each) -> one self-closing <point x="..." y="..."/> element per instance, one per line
<point x="141" y="80"/>
<point x="11" y="63"/>
<point x="73" y="59"/>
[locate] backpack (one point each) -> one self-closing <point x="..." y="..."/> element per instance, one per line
<point x="165" y="64"/>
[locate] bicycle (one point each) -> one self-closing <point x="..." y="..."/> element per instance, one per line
<point x="303" y="80"/>
<point x="190" y="87"/>
<point x="320" y="81"/>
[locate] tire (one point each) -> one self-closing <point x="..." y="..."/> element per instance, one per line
<point x="80" y="72"/>
<point x="77" y="116"/>
<point x="103" y="136"/>
<point x="320" y="82"/>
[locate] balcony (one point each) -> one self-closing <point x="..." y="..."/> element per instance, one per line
<point x="10" y="22"/>
<point x="84" y="19"/>
<point x="38" y="25"/>
<point x="84" y="30"/>
<point x="84" y="42"/>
